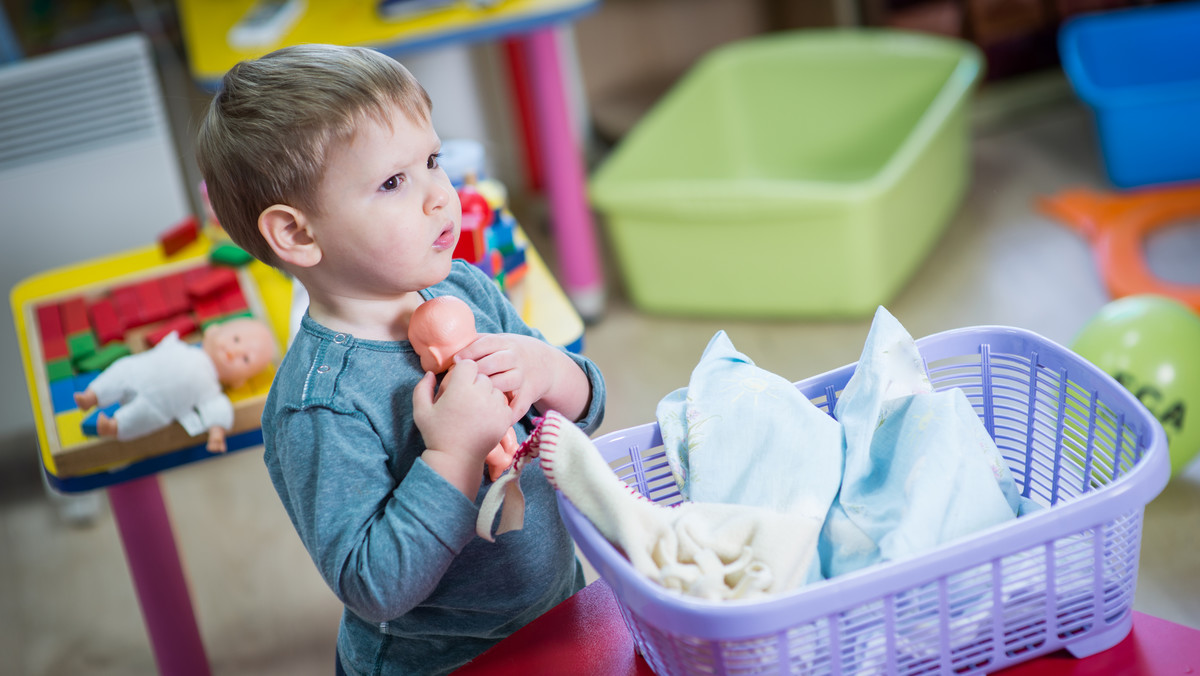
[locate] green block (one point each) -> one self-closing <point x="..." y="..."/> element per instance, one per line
<point x="59" y="369"/>
<point x="81" y="345"/>
<point x="104" y="357"/>
<point x="230" y="255"/>
<point x="247" y="314"/>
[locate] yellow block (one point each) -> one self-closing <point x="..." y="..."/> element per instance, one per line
<point x="70" y="428"/>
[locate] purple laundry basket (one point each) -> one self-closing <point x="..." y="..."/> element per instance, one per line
<point x="1063" y="577"/>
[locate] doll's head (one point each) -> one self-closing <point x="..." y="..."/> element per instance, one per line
<point x="439" y="328"/>
<point x="239" y="349"/>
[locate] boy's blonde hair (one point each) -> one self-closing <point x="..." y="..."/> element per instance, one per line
<point x="267" y="133"/>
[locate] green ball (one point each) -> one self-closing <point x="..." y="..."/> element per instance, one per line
<point x="1151" y="345"/>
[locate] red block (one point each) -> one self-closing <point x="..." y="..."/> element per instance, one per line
<point x="174" y="290"/>
<point x="184" y="324"/>
<point x="152" y="304"/>
<point x="179" y="236"/>
<point x="74" y="316"/>
<point x="215" y="281"/>
<point x="49" y="322"/>
<point x="233" y="301"/>
<point x="125" y="301"/>
<point x="105" y="321"/>
<point x="207" y="308"/>
<point x="472" y="240"/>
<point x="55" y="348"/>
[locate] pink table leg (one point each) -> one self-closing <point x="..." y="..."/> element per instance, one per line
<point x="157" y="573"/>
<point x="571" y="221"/>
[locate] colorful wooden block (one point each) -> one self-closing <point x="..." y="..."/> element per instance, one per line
<point x="62" y="395"/>
<point x="216" y="281"/>
<point x="103" y="358"/>
<point x="502" y="234"/>
<point x="152" y="303"/>
<point x="58" y="369"/>
<point x="207" y="309"/>
<point x="230" y="255"/>
<point x="513" y="260"/>
<point x="174" y="290"/>
<point x="105" y="321"/>
<point x="74" y="316"/>
<point x="497" y="264"/>
<point x="485" y="264"/>
<point x="88" y="425"/>
<point x="50" y="323"/>
<point x="55" y="349"/>
<point x="84" y="379"/>
<point x="68" y="427"/>
<point x="179" y="236"/>
<point x="182" y="324"/>
<point x="233" y="301"/>
<point x="515" y="276"/>
<point x="81" y="345"/>
<point x="472" y="239"/>
<point x="125" y="301"/>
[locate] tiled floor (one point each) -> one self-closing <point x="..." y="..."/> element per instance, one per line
<point x="67" y="605"/>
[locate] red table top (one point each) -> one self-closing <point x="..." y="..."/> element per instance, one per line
<point x="585" y="636"/>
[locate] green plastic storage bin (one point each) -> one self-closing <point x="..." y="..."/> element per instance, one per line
<point x="800" y="174"/>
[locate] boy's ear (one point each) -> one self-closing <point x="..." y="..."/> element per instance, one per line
<point x="287" y="232"/>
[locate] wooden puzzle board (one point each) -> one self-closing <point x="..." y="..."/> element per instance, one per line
<point x="74" y="321"/>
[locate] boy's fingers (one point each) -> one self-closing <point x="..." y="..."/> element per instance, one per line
<point x="423" y="392"/>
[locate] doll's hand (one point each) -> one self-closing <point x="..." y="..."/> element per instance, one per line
<point x="216" y="440"/>
<point x="461" y="424"/>
<point x="522" y="366"/>
<point x="85" y="400"/>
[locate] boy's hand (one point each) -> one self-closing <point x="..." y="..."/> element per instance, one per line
<point x="461" y="424"/>
<point x="522" y="366"/>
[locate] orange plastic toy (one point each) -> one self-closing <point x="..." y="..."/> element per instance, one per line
<point x="1117" y="224"/>
<point x="439" y="328"/>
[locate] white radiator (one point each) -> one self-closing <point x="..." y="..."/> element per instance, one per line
<point x="88" y="167"/>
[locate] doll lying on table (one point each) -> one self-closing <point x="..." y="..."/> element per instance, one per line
<point x="177" y="381"/>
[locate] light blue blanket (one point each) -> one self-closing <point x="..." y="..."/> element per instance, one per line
<point x="900" y="470"/>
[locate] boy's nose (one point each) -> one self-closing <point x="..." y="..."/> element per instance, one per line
<point x="438" y="198"/>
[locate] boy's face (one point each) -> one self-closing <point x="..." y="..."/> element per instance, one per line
<point x="389" y="216"/>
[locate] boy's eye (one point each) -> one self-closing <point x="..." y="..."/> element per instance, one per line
<point x="432" y="163"/>
<point x="392" y="183"/>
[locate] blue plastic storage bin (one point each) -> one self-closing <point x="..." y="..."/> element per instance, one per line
<point x="1139" y="71"/>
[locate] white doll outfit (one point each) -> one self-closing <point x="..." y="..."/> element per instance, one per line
<point x="171" y="381"/>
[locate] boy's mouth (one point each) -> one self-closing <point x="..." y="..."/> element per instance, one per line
<point x="446" y="240"/>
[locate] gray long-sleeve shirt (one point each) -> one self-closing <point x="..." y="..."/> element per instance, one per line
<point x="395" y="541"/>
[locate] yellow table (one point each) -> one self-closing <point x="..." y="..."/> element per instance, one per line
<point x="128" y="470"/>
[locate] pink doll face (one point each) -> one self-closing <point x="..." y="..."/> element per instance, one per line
<point x="239" y="349"/>
<point x="439" y="328"/>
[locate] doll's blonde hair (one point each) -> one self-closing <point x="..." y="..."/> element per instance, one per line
<point x="267" y="134"/>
